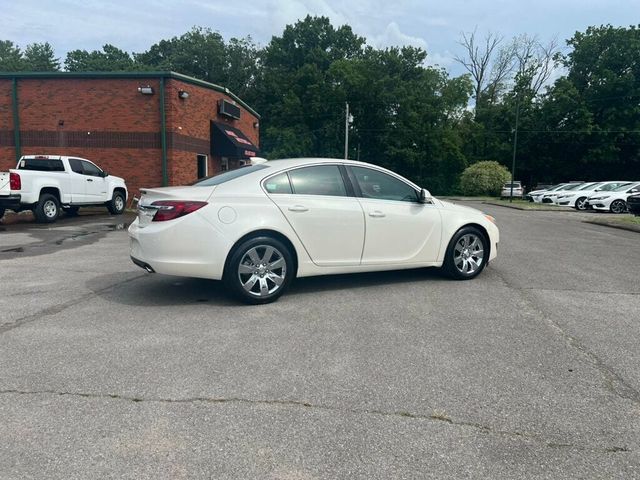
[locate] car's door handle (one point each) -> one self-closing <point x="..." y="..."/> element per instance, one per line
<point x="298" y="208"/>
<point x="89" y="179"/>
<point x="376" y="214"/>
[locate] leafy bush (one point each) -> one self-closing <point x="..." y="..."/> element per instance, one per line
<point x="484" y="178"/>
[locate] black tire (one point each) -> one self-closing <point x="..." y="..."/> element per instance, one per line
<point x="47" y="209"/>
<point x="2" y="210"/>
<point x="71" y="211"/>
<point x="240" y="259"/>
<point x="618" y="206"/>
<point x="581" y="204"/>
<point x="117" y="204"/>
<point x="459" y="271"/>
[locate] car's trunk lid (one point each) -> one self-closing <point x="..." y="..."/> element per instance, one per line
<point x="150" y="195"/>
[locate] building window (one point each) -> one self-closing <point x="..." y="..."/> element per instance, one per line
<point x="224" y="164"/>
<point x="202" y="166"/>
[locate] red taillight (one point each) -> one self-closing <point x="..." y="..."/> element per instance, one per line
<point x="170" y="209"/>
<point x="14" y="181"/>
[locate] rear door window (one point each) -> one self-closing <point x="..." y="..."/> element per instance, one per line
<point x="90" y="169"/>
<point x="278" y="184"/>
<point x="318" y="180"/>
<point x="76" y="166"/>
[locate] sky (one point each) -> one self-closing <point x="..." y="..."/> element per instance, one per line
<point x="435" y="26"/>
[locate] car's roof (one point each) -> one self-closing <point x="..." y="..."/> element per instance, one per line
<point x="293" y="162"/>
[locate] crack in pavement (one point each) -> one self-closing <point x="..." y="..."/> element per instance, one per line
<point x="435" y="417"/>
<point x="5" y="327"/>
<point x="613" y="380"/>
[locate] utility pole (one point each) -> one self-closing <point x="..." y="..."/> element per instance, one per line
<point x="346" y="132"/>
<point x="515" y="146"/>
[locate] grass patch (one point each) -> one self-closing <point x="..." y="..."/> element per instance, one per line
<point x="524" y="204"/>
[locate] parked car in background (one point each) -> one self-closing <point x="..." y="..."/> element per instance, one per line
<point x="552" y="195"/>
<point x="536" y="195"/>
<point x="578" y="198"/>
<point x="46" y="184"/>
<point x="507" y="190"/>
<point x="633" y="203"/>
<point x="614" y="200"/>
<point x="259" y="226"/>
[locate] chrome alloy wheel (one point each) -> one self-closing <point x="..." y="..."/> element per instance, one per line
<point x="50" y="209"/>
<point x="468" y="253"/>
<point x="618" y="206"/>
<point x="581" y="203"/>
<point x="262" y="270"/>
<point x="119" y="203"/>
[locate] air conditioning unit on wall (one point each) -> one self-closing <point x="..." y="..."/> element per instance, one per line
<point x="228" y="109"/>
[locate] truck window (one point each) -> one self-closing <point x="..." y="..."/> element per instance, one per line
<point x="41" y="165"/>
<point x="91" y="169"/>
<point x="76" y="166"/>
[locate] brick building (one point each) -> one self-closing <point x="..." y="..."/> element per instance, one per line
<point x="151" y="128"/>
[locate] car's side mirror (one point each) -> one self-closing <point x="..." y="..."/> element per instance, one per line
<point x="104" y="174"/>
<point x="425" y="196"/>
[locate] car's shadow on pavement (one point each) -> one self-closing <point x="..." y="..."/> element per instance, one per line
<point x="132" y="288"/>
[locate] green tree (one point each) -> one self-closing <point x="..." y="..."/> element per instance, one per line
<point x="110" y="58"/>
<point x="10" y="57"/>
<point x="40" y="57"/>
<point x="484" y="178"/>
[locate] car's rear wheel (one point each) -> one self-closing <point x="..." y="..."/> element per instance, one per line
<point x="618" y="206"/>
<point x="581" y="203"/>
<point x="47" y="209"/>
<point x="259" y="270"/>
<point x="466" y="254"/>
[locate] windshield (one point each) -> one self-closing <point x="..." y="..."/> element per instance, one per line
<point x="229" y="175"/>
<point x="624" y="187"/>
<point x="515" y="185"/>
<point x="612" y="186"/>
<point x="586" y="185"/>
<point x="591" y="186"/>
<point x="572" y="186"/>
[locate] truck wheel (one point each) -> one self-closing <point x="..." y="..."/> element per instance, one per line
<point x="71" y="211"/>
<point x="47" y="209"/>
<point x="117" y="204"/>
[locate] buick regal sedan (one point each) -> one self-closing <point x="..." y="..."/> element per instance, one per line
<point x="260" y="226"/>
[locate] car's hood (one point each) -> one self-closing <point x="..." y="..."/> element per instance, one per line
<point x="115" y="179"/>
<point x="461" y="208"/>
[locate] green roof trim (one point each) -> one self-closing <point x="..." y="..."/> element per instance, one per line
<point x="136" y="74"/>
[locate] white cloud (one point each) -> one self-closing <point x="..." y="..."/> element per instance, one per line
<point x="394" y="37"/>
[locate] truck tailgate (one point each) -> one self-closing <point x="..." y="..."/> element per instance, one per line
<point x="4" y="183"/>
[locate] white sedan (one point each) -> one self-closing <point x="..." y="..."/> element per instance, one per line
<point x="260" y="226"/>
<point x="615" y="200"/>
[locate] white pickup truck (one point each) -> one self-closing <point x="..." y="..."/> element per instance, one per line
<point x="48" y="183"/>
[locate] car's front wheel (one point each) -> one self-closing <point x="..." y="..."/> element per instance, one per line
<point x="581" y="203"/>
<point x="466" y="254"/>
<point x="117" y="204"/>
<point x="259" y="270"/>
<point x="618" y="206"/>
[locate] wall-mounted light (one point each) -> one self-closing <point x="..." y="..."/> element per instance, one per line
<point x="145" y="90"/>
<point x="183" y="94"/>
<point x="256" y="124"/>
<point x="61" y="123"/>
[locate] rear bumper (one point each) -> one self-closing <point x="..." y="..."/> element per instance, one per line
<point x="12" y="202"/>
<point x="188" y="247"/>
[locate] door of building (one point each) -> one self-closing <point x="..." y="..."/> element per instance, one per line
<point x="202" y="166"/>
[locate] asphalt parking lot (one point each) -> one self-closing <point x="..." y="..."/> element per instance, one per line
<point x="530" y="371"/>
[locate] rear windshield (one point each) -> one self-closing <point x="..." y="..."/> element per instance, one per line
<point x="226" y="176"/>
<point x="515" y="185"/>
<point x="41" y="164"/>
